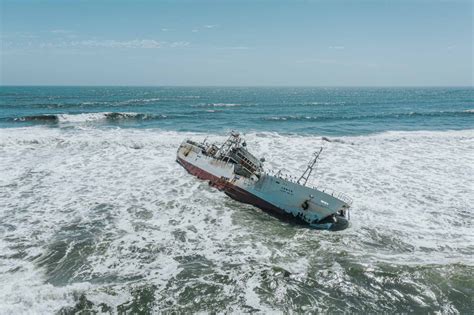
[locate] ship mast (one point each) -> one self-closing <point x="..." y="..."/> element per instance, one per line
<point x="232" y="141"/>
<point x="307" y="173"/>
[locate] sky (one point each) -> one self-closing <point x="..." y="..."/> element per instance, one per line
<point x="237" y="43"/>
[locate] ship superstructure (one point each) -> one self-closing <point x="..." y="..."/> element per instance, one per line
<point x="230" y="167"/>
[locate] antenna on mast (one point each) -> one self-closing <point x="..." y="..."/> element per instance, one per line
<point x="307" y="173"/>
<point x="231" y="142"/>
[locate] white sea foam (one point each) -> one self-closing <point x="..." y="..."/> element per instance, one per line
<point x="121" y="191"/>
<point x="139" y="100"/>
<point x="325" y="103"/>
<point x="217" y="105"/>
<point x="78" y="118"/>
<point x="93" y="117"/>
<point x="224" y="104"/>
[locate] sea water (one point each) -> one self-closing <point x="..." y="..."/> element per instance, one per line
<point x="95" y="214"/>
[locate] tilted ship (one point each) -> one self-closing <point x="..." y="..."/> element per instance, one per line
<point x="231" y="168"/>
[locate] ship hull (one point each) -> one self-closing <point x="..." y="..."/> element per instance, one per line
<point x="235" y="189"/>
<point x="232" y="191"/>
<point x="245" y="197"/>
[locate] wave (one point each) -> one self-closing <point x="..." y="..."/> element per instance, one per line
<point x="88" y="117"/>
<point x="139" y="100"/>
<point x="219" y="105"/>
<point x="189" y="97"/>
<point x="40" y="118"/>
<point x="93" y="202"/>
<point x="87" y="103"/>
<point x="63" y="104"/>
<point x="369" y="116"/>
<point x="324" y="103"/>
<point x="134" y="116"/>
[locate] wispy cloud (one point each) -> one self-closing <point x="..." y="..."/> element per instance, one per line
<point x="60" y="31"/>
<point x="204" y="27"/>
<point x="337" y="47"/>
<point x="177" y="44"/>
<point x="112" y="43"/>
<point x="109" y="43"/>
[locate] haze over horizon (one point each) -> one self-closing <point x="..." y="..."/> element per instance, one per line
<point x="236" y="43"/>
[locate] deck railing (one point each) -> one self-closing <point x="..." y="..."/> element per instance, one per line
<point x="337" y="194"/>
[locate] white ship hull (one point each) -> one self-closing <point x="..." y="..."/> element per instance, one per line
<point x="268" y="192"/>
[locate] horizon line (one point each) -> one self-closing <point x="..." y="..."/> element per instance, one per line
<point x="240" y="86"/>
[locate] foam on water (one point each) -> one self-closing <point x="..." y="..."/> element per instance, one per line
<point x="217" y="105"/>
<point x="85" y="117"/>
<point x="105" y="219"/>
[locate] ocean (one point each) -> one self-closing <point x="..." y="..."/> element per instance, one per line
<point x="96" y="215"/>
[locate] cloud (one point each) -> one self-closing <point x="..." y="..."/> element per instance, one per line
<point x="112" y="43"/>
<point x="60" y="31"/>
<point x="337" y="47"/>
<point x="208" y="26"/>
<point x="177" y="44"/>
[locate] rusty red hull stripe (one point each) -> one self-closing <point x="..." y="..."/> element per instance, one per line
<point x="232" y="191"/>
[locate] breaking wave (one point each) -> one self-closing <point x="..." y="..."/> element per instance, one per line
<point x="88" y="117"/>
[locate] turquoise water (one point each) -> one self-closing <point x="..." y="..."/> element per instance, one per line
<point x="325" y="111"/>
<point x="96" y="215"/>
